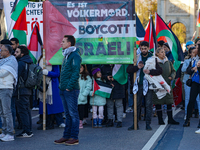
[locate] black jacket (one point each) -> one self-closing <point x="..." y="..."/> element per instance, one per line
<point x="23" y="72"/>
<point x="118" y="91"/>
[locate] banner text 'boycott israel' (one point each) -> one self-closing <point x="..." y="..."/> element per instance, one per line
<point x="104" y="30"/>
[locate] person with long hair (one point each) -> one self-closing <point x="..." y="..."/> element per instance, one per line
<point x="193" y="70"/>
<point x="168" y="74"/>
<point x="191" y="58"/>
<point x="85" y="83"/>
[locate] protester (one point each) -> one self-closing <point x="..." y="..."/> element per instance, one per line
<point x="118" y="93"/>
<point x="69" y="90"/>
<point x="13" y="110"/>
<point x="54" y="106"/>
<point x="194" y="71"/>
<point x="188" y="45"/>
<point x="168" y="74"/>
<point x="141" y="84"/>
<point x="168" y="52"/>
<point x="22" y="94"/>
<point x="96" y="101"/>
<point x="192" y="54"/>
<point x="15" y="43"/>
<point x="85" y="83"/>
<point x="160" y="43"/>
<point x="8" y="78"/>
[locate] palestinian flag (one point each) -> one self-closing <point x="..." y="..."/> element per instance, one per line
<point x="35" y="44"/>
<point x="150" y="36"/>
<point x="19" y="15"/>
<point x="162" y="38"/>
<point x="198" y="19"/>
<point x="119" y="73"/>
<point x="102" y="89"/>
<point x="162" y="29"/>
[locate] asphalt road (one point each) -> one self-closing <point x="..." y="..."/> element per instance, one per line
<point x="172" y="137"/>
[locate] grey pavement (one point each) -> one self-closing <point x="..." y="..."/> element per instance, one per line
<point x="112" y="138"/>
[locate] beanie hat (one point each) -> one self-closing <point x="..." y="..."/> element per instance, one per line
<point x="166" y="44"/>
<point x="188" y="43"/>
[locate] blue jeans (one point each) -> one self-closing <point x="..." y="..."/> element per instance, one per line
<point x="130" y="96"/>
<point x="187" y="98"/>
<point x="70" y="104"/>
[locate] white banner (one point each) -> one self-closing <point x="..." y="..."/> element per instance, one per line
<point x="34" y="13"/>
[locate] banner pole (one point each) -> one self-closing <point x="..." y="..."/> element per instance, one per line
<point x="135" y="95"/>
<point x="44" y="83"/>
<point x="44" y="92"/>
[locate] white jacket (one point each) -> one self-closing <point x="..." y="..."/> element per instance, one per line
<point x="6" y="79"/>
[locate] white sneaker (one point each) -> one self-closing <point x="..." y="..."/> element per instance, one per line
<point x="35" y="108"/>
<point x="2" y="136"/>
<point x="198" y="131"/>
<point x="124" y="115"/>
<point x="129" y="110"/>
<point x="8" y="138"/>
<point x="62" y="125"/>
<point x="185" y="117"/>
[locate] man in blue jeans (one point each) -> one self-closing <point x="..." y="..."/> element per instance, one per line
<point x="69" y="90"/>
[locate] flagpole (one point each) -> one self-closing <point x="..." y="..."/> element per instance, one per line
<point x="135" y="95"/>
<point x="44" y="85"/>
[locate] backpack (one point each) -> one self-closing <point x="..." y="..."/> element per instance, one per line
<point x="34" y="76"/>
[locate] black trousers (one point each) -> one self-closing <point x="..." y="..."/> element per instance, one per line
<point x="81" y="110"/>
<point x="195" y="90"/>
<point x="23" y="108"/>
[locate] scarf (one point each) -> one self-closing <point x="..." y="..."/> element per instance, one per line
<point x="11" y="65"/>
<point x="49" y="94"/>
<point x="66" y="52"/>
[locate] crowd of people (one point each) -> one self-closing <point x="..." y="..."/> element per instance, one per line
<point x="71" y="90"/>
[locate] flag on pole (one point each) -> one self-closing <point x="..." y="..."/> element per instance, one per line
<point x="102" y="89"/>
<point x="119" y="73"/>
<point x="169" y="24"/>
<point x="20" y="27"/>
<point x="198" y="19"/>
<point x="162" y="29"/>
<point x="140" y="32"/>
<point x="35" y="44"/>
<point x="162" y="38"/>
<point x="150" y="36"/>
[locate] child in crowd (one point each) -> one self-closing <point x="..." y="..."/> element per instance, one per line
<point x="97" y="101"/>
<point x="85" y="83"/>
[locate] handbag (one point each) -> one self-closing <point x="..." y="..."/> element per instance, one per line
<point x="40" y="88"/>
<point x="189" y="81"/>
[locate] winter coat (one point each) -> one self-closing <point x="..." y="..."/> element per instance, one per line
<point x="57" y="106"/>
<point x="23" y="73"/>
<point x="70" y="72"/>
<point x="168" y="71"/>
<point x="118" y="91"/>
<point x="6" y="79"/>
<point x="97" y="100"/>
<point x="85" y="88"/>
